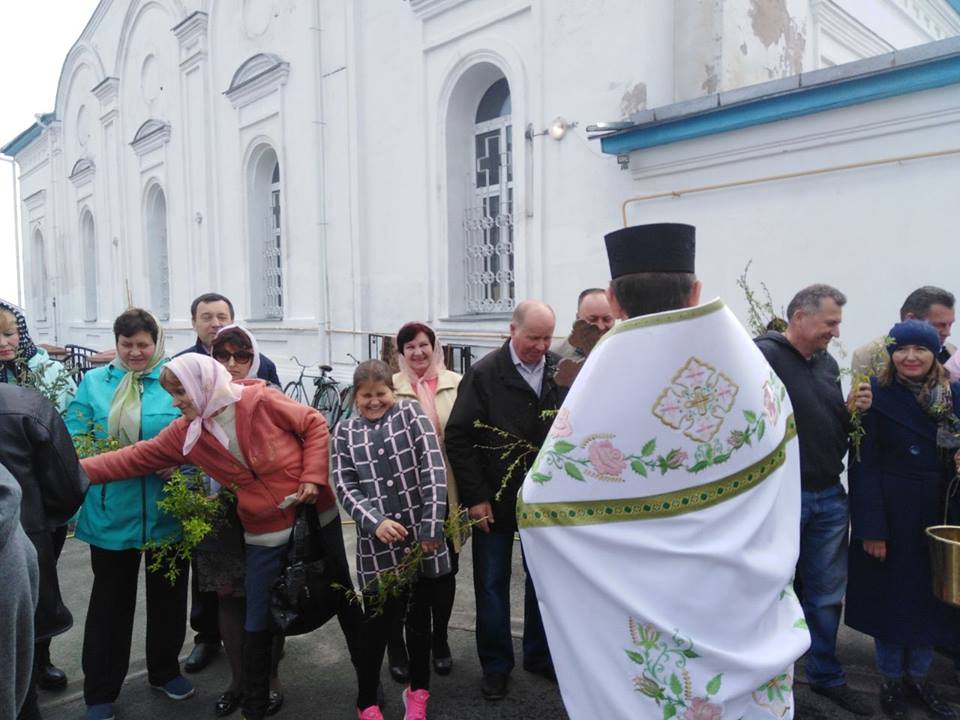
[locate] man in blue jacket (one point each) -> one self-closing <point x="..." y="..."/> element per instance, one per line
<point x="210" y="313"/>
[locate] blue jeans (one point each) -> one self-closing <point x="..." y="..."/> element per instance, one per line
<point x="822" y="570"/>
<point x="263" y="567"/>
<point x="492" y="565"/>
<point x="895" y="660"/>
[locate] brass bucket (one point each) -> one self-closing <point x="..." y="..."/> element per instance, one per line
<point x="944" y="543"/>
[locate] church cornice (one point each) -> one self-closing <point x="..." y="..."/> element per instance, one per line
<point x="151" y="135"/>
<point x="191" y="33"/>
<point x="82" y="172"/>
<point x="106" y="90"/>
<point x="259" y="76"/>
<point x="428" y="8"/>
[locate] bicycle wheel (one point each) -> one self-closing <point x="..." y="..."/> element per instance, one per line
<point x="346" y="403"/>
<point x="295" y="391"/>
<point x="327" y="401"/>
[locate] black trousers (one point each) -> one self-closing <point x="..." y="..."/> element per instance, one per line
<point x="108" y="632"/>
<point x="204" y="608"/>
<point x="376" y="630"/>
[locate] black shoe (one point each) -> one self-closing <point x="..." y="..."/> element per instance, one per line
<point x="543" y="669"/>
<point x="275" y="702"/>
<point x="846" y="698"/>
<point x="494" y="686"/>
<point x="226" y="703"/>
<point x="50" y="677"/>
<point x="398" y="662"/>
<point x="924" y="695"/>
<point x="442" y="660"/>
<point x="892" y="701"/>
<point x="201" y="656"/>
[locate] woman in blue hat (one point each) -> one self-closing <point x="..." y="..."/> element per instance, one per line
<point x="898" y="488"/>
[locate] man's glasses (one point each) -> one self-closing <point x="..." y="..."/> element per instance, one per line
<point x="241" y="356"/>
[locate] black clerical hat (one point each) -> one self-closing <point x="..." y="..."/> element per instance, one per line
<point x="660" y="247"/>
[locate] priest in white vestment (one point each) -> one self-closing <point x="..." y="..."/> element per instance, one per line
<point x="660" y="521"/>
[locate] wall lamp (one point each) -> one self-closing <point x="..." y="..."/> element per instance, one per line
<point x="557" y="129"/>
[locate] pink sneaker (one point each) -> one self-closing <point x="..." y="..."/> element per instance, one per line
<point x="370" y="713"/>
<point x="415" y="704"/>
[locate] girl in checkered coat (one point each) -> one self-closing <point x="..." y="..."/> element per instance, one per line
<point x="390" y="477"/>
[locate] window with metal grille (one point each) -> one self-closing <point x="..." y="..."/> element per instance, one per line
<point x="157" y="253"/>
<point x="88" y="235"/>
<point x="272" y="269"/>
<point x="488" y="221"/>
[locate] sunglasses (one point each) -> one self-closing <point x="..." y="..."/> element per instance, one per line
<point x="241" y="356"/>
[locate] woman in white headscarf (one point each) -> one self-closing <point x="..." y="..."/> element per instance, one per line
<point x="125" y="400"/>
<point x="271" y="452"/>
<point x="220" y="558"/>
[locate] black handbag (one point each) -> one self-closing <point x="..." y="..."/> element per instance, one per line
<point x="303" y="597"/>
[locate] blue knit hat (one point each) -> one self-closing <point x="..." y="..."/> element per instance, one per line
<point x="914" y="332"/>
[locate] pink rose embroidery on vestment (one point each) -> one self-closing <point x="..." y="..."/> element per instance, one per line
<point x="605" y="459"/>
<point x="771" y="404"/>
<point x="561" y="424"/>
<point x="700" y="709"/>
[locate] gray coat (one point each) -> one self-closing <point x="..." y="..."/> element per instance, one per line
<point x="20" y="580"/>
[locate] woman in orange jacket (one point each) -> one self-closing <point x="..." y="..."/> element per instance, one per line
<point x="268" y="449"/>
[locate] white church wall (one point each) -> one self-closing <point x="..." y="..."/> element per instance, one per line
<point x="368" y="108"/>
<point x="875" y="232"/>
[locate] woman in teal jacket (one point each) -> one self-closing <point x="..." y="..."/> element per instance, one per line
<point x="125" y="399"/>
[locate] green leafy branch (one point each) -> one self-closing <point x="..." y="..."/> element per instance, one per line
<point x="396" y="582"/>
<point x="761" y="314"/>
<point x="197" y="514"/>
<point x="876" y="366"/>
<point x="94" y="442"/>
<point x="36" y="378"/>
<point x="510" y="445"/>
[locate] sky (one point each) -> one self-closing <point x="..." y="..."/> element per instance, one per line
<point x="38" y="35"/>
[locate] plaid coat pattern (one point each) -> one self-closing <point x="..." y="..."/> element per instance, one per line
<point x="392" y="468"/>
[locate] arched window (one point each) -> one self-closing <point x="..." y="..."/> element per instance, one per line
<point x="158" y="265"/>
<point x="266" y="259"/>
<point x="488" y="221"/>
<point x="38" y="278"/>
<point x="88" y="244"/>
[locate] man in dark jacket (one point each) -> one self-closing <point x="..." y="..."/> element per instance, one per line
<point x="509" y="389"/>
<point x="812" y="377"/>
<point x="212" y="312"/>
<point x="36" y="448"/>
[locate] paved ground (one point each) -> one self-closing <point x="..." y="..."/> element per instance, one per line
<point x="320" y="683"/>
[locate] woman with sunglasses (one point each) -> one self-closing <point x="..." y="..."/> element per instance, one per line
<point x="220" y="558"/>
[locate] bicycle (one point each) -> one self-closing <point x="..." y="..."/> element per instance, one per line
<point x="326" y="394"/>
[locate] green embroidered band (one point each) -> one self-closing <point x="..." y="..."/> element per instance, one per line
<point x="691" y="499"/>
<point x="664" y="318"/>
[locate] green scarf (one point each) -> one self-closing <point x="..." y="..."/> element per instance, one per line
<point x="123" y="419"/>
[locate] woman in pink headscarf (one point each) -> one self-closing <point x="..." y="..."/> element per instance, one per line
<point x="423" y="377"/>
<point x="270" y="451"/>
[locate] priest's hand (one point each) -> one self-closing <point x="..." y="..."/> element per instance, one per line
<point x="876" y="548"/>
<point x="390" y="531"/>
<point x="483" y="513"/>
<point x="861" y="397"/>
<point x="167" y="473"/>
